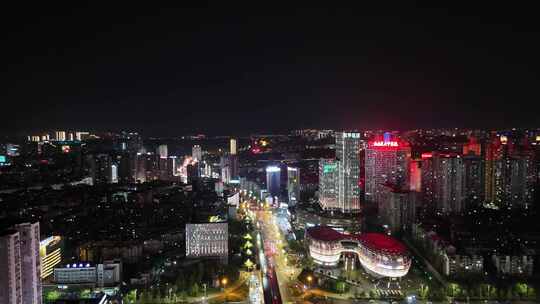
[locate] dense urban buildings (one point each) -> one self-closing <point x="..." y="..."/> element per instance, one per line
<point x="357" y="202"/>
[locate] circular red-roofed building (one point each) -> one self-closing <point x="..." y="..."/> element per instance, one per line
<point x="381" y="255"/>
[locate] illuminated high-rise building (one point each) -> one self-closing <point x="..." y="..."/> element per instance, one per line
<point x="273" y="180"/>
<point x="328" y="191"/>
<point x="196" y="153"/>
<point x="60" y="135"/>
<point x="473" y="178"/>
<point x="472" y="147"/>
<point x="444" y="181"/>
<point x="387" y="162"/>
<point x="348" y="145"/>
<point x="233" y="144"/>
<point x="510" y="173"/>
<point x="10" y="267"/>
<point x="20" y="265"/>
<point x="293" y="185"/>
<point x="521" y="180"/>
<point x="415" y="175"/>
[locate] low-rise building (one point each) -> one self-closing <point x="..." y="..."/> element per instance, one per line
<point x="107" y="274"/>
<point x="514" y="264"/>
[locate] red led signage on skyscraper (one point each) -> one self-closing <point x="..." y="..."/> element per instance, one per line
<point x="385" y="144"/>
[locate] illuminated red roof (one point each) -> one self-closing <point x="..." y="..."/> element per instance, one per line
<point x="325" y="233"/>
<point x="375" y="241"/>
<point x="380" y="241"/>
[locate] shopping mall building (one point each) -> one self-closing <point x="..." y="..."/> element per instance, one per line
<point x="379" y="254"/>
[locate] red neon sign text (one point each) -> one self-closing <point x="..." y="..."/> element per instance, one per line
<point x="385" y="144"/>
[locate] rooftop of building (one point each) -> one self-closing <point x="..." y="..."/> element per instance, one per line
<point x="375" y="241"/>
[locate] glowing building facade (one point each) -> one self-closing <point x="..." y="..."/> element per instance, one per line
<point x="379" y="254"/>
<point x="510" y="173"/>
<point x="293" y="185"/>
<point x="196" y="153"/>
<point x="233" y="146"/>
<point x="443" y="181"/>
<point x="207" y="240"/>
<point x="348" y="145"/>
<point x="50" y="252"/>
<point x="328" y="192"/>
<point x="273" y="180"/>
<point x="387" y="162"/>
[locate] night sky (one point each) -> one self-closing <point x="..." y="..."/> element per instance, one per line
<point x="225" y="69"/>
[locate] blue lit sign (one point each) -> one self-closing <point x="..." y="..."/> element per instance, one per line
<point x="3" y="159"/>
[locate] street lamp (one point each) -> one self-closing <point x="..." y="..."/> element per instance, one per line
<point x="309" y="279"/>
<point x="224" y="282"/>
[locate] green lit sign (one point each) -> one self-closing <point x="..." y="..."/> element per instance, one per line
<point x="3" y="159"/>
<point x="329" y="168"/>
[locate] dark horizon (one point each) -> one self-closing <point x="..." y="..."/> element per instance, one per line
<point x="236" y="70"/>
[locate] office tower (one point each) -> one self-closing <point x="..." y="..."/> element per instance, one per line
<point x="293" y="185"/>
<point x="162" y="151"/>
<point x="233" y="146"/>
<point x="125" y="167"/>
<point x="398" y="208"/>
<point x="196" y="153"/>
<point x="10" y="268"/>
<point x="273" y="180"/>
<point x="473" y="179"/>
<point x="328" y="191"/>
<point x="387" y="162"/>
<point x="101" y="168"/>
<point x="233" y="164"/>
<point x="151" y="166"/>
<point x="229" y="168"/>
<point x="50" y="252"/>
<point x="226" y="174"/>
<point x="60" y="135"/>
<point x="348" y="145"/>
<point x="193" y="172"/>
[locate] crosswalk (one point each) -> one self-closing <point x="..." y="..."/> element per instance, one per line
<point x="389" y="293"/>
